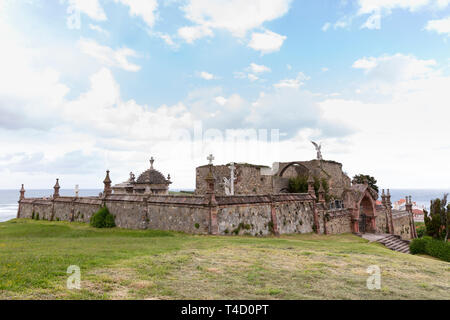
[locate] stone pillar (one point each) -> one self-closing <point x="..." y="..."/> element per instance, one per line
<point x="311" y="187"/>
<point x="107" y="182"/>
<point x="355" y="219"/>
<point x="22" y="193"/>
<point x="316" y="217"/>
<point x="56" y="188"/>
<point x="409" y="208"/>
<point x="321" y="194"/>
<point x="211" y="202"/>
<point x="22" y="197"/>
<point x="273" y="214"/>
<point x="389" y="208"/>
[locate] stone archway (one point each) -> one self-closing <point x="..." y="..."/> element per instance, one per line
<point x="364" y="214"/>
<point x="281" y="178"/>
<point x="303" y="168"/>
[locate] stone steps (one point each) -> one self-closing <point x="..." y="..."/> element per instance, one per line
<point x="395" y="243"/>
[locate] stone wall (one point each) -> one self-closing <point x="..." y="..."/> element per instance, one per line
<point x="381" y="222"/>
<point x="253" y="215"/>
<point x="248" y="180"/>
<point x="245" y="220"/>
<point x="336" y="221"/>
<point x="257" y="215"/>
<point x="295" y="217"/>
<point x="402" y="224"/>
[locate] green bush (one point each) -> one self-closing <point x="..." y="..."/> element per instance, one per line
<point x="103" y="219"/>
<point x="432" y="247"/>
<point x="418" y="246"/>
<point x="421" y="231"/>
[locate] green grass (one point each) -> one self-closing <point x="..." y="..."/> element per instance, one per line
<point x="127" y="264"/>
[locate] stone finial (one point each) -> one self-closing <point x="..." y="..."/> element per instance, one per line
<point x="22" y="193"/>
<point x="168" y="177"/>
<point x="152" y="161"/>
<point x="311" y="190"/>
<point x="56" y="188"/>
<point x="107" y="182"/>
<point x="321" y="193"/>
<point x="77" y="191"/>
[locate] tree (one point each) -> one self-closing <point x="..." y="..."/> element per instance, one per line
<point x="437" y="222"/>
<point x="362" y="178"/>
<point x="298" y="185"/>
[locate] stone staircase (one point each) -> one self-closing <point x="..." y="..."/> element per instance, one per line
<point x="395" y="243"/>
<point x="392" y="242"/>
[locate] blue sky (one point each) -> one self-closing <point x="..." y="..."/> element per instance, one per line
<point x="90" y="85"/>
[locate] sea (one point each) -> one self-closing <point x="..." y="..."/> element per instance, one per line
<point x="9" y="198"/>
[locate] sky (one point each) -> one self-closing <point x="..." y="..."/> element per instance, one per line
<point x="91" y="85"/>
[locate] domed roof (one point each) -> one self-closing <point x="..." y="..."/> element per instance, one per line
<point x="152" y="176"/>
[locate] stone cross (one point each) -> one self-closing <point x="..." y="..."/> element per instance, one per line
<point x="77" y="191"/>
<point x="210" y="159"/>
<point x="232" y="167"/>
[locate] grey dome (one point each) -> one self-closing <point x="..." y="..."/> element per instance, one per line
<point x="152" y="176"/>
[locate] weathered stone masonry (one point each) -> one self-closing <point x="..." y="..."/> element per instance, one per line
<point x="192" y="214"/>
<point x="210" y="212"/>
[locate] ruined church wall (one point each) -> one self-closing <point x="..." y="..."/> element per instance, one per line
<point x="249" y="180"/>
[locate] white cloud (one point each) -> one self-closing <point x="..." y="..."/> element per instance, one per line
<point x="252" y="77"/>
<point x="293" y="83"/>
<point x="440" y="26"/>
<point x="146" y="9"/>
<point x="410" y="125"/>
<point x="207" y="76"/>
<point x="365" y="63"/>
<point x="91" y="8"/>
<point x="266" y="42"/>
<point x="221" y="100"/>
<point x="236" y="16"/>
<point x="109" y="57"/>
<point x="98" y="29"/>
<point x="396" y="68"/>
<point x="190" y="34"/>
<point x="377" y="8"/>
<point x="255" y="68"/>
<point x="326" y="26"/>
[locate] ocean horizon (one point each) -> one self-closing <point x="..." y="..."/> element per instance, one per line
<point x="9" y="198"/>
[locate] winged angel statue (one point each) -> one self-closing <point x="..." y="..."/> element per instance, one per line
<point x="318" y="149"/>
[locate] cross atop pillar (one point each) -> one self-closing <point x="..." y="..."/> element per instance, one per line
<point x="210" y="159"/>
<point x="152" y="161"/>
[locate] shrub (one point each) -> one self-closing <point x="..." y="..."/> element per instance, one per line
<point x="432" y="247"/>
<point x="418" y="246"/>
<point x="37" y="216"/>
<point x="197" y="226"/>
<point x="103" y="219"/>
<point x="421" y="231"/>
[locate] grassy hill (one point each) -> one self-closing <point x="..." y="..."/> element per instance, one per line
<point x="126" y="264"/>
